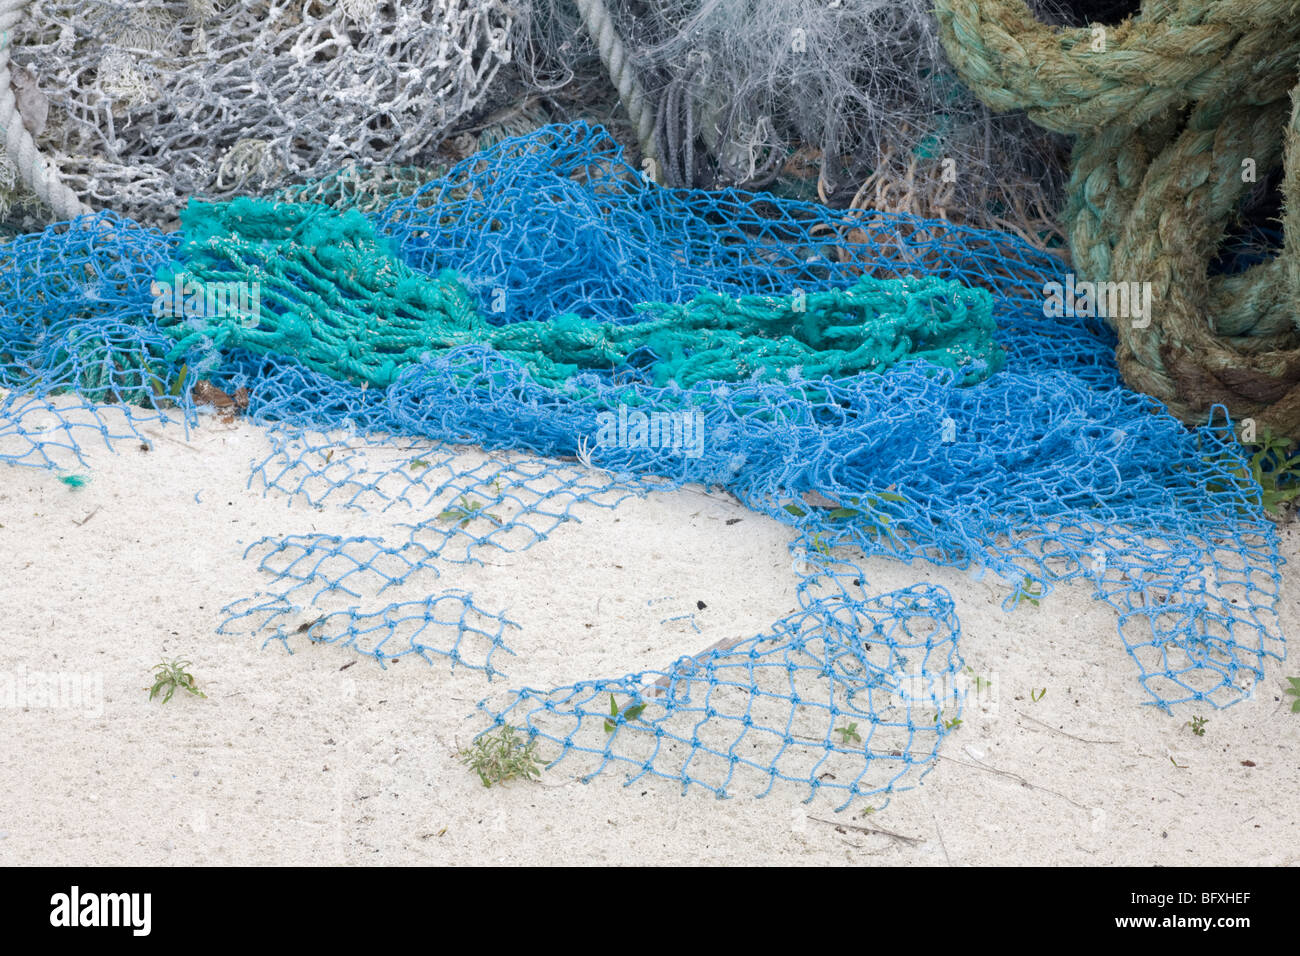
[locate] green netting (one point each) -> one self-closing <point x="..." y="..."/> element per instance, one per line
<point x="330" y="292"/>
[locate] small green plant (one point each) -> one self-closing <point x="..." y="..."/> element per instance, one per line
<point x="501" y="756"/>
<point x="1037" y="695"/>
<point x="849" y="734"/>
<point x="1275" y="471"/>
<point x="875" y="507"/>
<point x="172" y="676"/>
<point x="1198" y="725"/>
<point x="1295" y="690"/>
<point x="632" y="712"/>
<point x="466" y="510"/>
<point x="160" y="389"/>
<point x="820" y="544"/>
<point x="1029" y="592"/>
<point x="1269" y="465"/>
<point x="981" y="684"/>
<point x="952" y="724"/>
<point x="418" y="463"/>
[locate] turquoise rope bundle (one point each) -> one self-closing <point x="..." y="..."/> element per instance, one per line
<point x="329" y="292"/>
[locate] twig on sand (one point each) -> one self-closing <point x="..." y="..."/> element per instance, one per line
<point x="87" y="518"/>
<point x="1013" y="776"/>
<point x="174" y="441"/>
<point x="687" y="669"/>
<point x="1057" y="730"/>
<point x="939" y="834"/>
<point x="910" y="841"/>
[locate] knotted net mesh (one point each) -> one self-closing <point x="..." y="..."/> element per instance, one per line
<point x="1044" y="472"/>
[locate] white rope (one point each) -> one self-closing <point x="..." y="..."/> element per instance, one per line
<point x="599" y="23"/>
<point x="37" y="173"/>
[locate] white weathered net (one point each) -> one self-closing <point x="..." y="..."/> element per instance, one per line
<point x="153" y="101"/>
<point x="759" y="92"/>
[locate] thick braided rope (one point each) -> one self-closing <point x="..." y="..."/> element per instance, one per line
<point x="37" y="173"/>
<point x="331" y="295"/>
<point x="1199" y="177"/>
<point x="1153" y="191"/>
<point x="596" y="18"/>
<point x="1291" y="193"/>
<point x="1173" y="53"/>
<point x="1253" y="310"/>
<point x="1109" y="173"/>
<point x="1110" y="161"/>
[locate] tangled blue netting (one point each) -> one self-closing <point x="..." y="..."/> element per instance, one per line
<point x="1048" y="471"/>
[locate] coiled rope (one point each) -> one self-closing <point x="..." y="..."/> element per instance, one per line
<point x="1169" y="109"/>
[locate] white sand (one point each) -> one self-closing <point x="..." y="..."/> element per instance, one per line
<point x="297" y="759"/>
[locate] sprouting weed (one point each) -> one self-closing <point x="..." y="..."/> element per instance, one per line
<point x="168" y="396"/>
<point x="466" y="510"/>
<point x="1275" y="470"/>
<point x="502" y="756"/>
<point x="172" y="676"/>
<point x="820" y="544"/>
<point x="1029" y="591"/>
<point x="632" y="712"/>
<point x="1269" y="465"/>
<point x="1294" y="689"/>
<point x="874" y="507"/>
<point x="946" y="724"/>
<point x="849" y="734"/>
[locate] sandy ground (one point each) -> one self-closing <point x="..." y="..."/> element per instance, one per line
<point x="300" y="759"/>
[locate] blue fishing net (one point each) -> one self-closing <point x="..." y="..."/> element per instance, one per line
<point x="1047" y="471"/>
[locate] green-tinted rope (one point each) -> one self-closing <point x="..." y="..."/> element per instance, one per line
<point x="332" y="295"/>
<point x="1171" y="109"/>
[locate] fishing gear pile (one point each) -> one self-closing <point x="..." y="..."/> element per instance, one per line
<point x="1178" y="114"/>
<point x="987" y="437"/>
